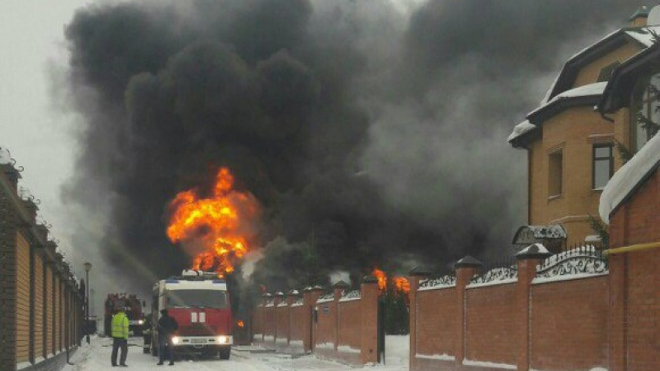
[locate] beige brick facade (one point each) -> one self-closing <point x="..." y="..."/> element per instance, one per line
<point x="573" y="132"/>
<point x="589" y="74"/>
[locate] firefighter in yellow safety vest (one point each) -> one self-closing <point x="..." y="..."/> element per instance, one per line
<point x="119" y="337"/>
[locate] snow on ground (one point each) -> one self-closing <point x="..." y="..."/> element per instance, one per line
<point x="96" y="356"/>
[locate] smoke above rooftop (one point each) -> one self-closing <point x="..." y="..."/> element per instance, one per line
<point x="372" y="133"/>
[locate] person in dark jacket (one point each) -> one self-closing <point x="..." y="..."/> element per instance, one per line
<point x="167" y="326"/>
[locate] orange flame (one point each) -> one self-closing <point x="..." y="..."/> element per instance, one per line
<point x="240" y="324"/>
<point x="401" y="284"/>
<point x="382" y="279"/>
<point x="221" y="224"/>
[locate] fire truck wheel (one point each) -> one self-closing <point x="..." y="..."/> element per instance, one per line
<point x="225" y="353"/>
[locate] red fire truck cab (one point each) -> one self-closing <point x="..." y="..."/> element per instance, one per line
<point x="199" y="302"/>
<point x="133" y="307"/>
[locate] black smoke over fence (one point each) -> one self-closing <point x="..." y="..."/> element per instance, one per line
<point x="373" y="132"/>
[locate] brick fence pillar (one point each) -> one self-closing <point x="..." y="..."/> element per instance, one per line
<point x="316" y="292"/>
<point x="466" y="269"/>
<point x="306" y="319"/>
<point x="291" y="297"/>
<point x="528" y="259"/>
<point x="369" y="308"/>
<point x="338" y="291"/>
<point x="415" y="276"/>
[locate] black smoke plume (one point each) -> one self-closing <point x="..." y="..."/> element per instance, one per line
<point x="372" y="132"/>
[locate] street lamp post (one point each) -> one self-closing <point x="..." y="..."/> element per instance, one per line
<point x="88" y="267"/>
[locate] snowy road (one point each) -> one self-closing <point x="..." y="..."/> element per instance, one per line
<point x="97" y="357"/>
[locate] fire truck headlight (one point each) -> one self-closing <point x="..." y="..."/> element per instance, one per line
<point x="222" y="339"/>
<point x="175" y="340"/>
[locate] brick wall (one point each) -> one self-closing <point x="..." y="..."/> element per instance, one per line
<point x="8" y="269"/>
<point x="39" y="307"/>
<point x="282" y="319"/>
<point x="22" y="299"/>
<point x="643" y="311"/>
<point x="50" y="349"/>
<point x="490" y="324"/>
<point x="56" y="317"/>
<point x="436" y="322"/>
<point x="635" y="281"/>
<point x="29" y="321"/>
<point x="298" y="317"/>
<point x="350" y="320"/>
<point x="270" y="319"/>
<point x="326" y="324"/>
<point x="569" y="324"/>
<point x="330" y="327"/>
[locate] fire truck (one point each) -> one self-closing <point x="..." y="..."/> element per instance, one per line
<point x="133" y="308"/>
<point x="199" y="302"/>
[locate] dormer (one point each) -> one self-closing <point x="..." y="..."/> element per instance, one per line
<point x="596" y="63"/>
<point x="584" y="76"/>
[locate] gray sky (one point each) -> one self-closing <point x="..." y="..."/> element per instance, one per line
<point x="37" y="133"/>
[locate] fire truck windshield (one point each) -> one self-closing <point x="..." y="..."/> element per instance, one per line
<point x="196" y="299"/>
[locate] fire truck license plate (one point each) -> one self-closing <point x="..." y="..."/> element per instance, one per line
<point x="198" y="341"/>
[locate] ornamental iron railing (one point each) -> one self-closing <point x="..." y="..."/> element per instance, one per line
<point x="497" y="274"/>
<point x="354" y="294"/>
<point x="446" y="280"/>
<point x="585" y="259"/>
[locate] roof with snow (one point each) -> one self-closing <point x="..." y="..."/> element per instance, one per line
<point x="629" y="178"/>
<point x="530" y="234"/>
<point x="535" y="250"/>
<point x="521" y="130"/>
<point x="642" y="36"/>
<point x="618" y="91"/>
<point x="560" y="96"/>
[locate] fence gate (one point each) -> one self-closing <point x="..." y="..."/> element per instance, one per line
<point x="381" y="331"/>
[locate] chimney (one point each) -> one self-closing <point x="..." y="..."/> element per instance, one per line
<point x="639" y="19"/>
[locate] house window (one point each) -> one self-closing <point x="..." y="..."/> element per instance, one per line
<point x="606" y="72"/>
<point x="555" y="174"/>
<point x="645" y="110"/>
<point x="602" y="165"/>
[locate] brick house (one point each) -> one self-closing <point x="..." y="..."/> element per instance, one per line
<point x="572" y="148"/>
